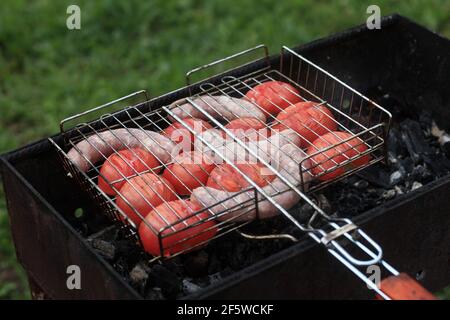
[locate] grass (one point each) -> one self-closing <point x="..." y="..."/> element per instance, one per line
<point x="48" y="72"/>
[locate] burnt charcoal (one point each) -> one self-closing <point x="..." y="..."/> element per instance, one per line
<point x="106" y="249"/>
<point x="396" y="177"/>
<point x="213" y="278"/>
<point x="426" y="119"/>
<point x="446" y="148"/>
<point x="396" y="147"/>
<point x="196" y="264"/>
<point x="139" y="275"/>
<point x="361" y="184"/>
<point x="389" y="194"/>
<point x="155" y="294"/>
<point x="422" y="174"/>
<point x="377" y="175"/>
<point x="416" y="185"/>
<point x="175" y="265"/>
<point x="168" y="281"/>
<point x="122" y="266"/>
<point x="303" y="213"/>
<point x="189" y="287"/>
<point x="406" y="165"/>
<point x="438" y="163"/>
<point x="414" y="139"/>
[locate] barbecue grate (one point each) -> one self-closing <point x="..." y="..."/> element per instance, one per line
<point x="352" y="113"/>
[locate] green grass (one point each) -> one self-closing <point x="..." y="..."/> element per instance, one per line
<point x="48" y="72"/>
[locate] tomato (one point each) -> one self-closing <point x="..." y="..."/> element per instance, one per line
<point x="188" y="171"/>
<point x="274" y="96"/>
<point x="309" y="122"/>
<point x="298" y="107"/>
<point x="178" y="133"/>
<point x="248" y="128"/>
<point x="225" y="177"/>
<point x="124" y="164"/>
<point x="168" y="214"/>
<point x="338" y="154"/>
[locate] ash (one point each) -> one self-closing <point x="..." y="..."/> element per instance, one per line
<point x="418" y="153"/>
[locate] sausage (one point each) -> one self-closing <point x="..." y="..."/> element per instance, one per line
<point x="265" y="149"/>
<point x="101" y="145"/>
<point x="219" y="107"/>
<point x="289" y="160"/>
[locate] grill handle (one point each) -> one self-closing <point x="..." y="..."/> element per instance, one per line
<point x="403" y="287"/>
<point x="229" y="58"/>
<point x="103" y="106"/>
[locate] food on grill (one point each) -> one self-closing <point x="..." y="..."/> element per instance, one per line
<point x="188" y="171"/>
<point x="101" y="145"/>
<point x="233" y="151"/>
<point x="219" y="107"/>
<point x="274" y="96"/>
<point x="178" y="133"/>
<point x="309" y="122"/>
<point x="327" y="160"/>
<point x="288" y="165"/>
<point x="248" y="128"/>
<point x="225" y="177"/>
<point x="144" y="193"/>
<point x="122" y="165"/>
<point x="182" y="235"/>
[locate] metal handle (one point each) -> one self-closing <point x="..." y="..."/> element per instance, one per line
<point x="108" y="104"/>
<point x="231" y="57"/>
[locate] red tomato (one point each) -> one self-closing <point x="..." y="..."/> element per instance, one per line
<point x="124" y="164"/>
<point x="144" y="193"/>
<point x="298" y="107"/>
<point x="248" y="128"/>
<point x="309" y="122"/>
<point x="338" y="154"/>
<point x="178" y="133"/>
<point x="188" y="171"/>
<point x="274" y="96"/>
<point x="225" y="177"/>
<point x="168" y="214"/>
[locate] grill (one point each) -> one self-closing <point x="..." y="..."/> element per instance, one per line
<point x="352" y="113"/>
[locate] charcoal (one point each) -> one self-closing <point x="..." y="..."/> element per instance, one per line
<point x="361" y="184"/>
<point x="389" y="194"/>
<point x="422" y="174"/>
<point x="413" y="137"/>
<point x="165" y="279"/>
<point x="396" y="177"/>
<point x="104" y="248"/>
<point x="196" y="264"/>
<point x="139" y="274"/>
<point x="416" y="185"/>
<point x="155" y="294"/>
<point x="438" y="163"/>
<point x="213" y="278"/>
<point x="189" y="287"/>
<point x="175" y="265"/>
<point x="396" y="147"/>
<point x="376" y="175"/>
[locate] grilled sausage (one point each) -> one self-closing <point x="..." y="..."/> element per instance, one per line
<point x="289" y="160"/>
<point x="219" y="107"/>
<point x="101" y="145"/>
<point x="265" y="149"/>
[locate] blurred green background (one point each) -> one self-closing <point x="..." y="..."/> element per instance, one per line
<point x="48" y="72"/>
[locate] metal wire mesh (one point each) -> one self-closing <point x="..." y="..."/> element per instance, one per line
<point x="364" y="122"/>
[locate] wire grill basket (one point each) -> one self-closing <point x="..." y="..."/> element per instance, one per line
<point x="364" y="122"/>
